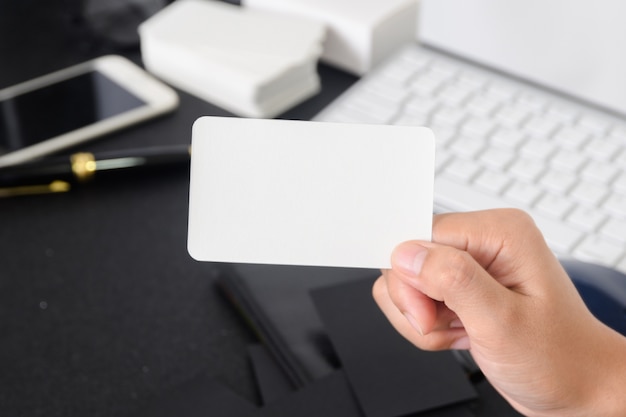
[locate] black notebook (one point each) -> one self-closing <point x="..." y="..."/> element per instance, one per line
<point x="278" y="302"/>
<point x="275" y="301"/>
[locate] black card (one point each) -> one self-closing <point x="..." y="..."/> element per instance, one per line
<point x="327" y="396"/>
<point x="389" y="375"/>
<point x="275" y="300"/>
<point x="271" y="380"/>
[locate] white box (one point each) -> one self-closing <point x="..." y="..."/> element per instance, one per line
<point x="252" y="63"/>
<point x="361" y="33"/>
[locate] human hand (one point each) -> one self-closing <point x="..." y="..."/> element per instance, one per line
<point x="489" y="283"/>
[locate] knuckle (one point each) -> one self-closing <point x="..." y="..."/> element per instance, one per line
<point x="519" y="229"/>
<point x="435" y="341"/>
<point x="514" y="220"/>
<point x="458" y="270"/>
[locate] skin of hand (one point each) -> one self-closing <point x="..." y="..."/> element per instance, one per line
<point x="489" y="283"/>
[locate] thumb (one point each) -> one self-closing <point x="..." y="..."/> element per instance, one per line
<point x="453" y="277"/>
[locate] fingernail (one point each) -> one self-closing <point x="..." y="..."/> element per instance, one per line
<point x="462" y="343"/>
<point x="414" y="323"/>
<point x="456" y="324"/>
<point x="409" y="258"/>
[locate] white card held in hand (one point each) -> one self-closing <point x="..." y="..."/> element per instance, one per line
<point x="308" y="193"/>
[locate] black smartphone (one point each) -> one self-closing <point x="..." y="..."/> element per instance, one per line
<point x="73" y="105"/>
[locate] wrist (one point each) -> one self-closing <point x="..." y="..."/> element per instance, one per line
<point x="607" y="388"/>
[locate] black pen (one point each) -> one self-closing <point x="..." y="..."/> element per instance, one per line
<point x="45" y="175"/>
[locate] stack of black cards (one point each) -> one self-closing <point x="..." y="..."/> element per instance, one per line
<point x="327" y="350"/>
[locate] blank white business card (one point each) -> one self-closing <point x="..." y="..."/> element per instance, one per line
<point x="308" y="193"/>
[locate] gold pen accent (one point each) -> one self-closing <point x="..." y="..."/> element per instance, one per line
<point x="55" y="174"/>
<point x="83" y="166"/>
<point x="53" y="187"/>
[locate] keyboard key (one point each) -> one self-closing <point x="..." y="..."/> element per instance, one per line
<point x="457" y="196"/>
<point x="571" y="138"/>
<point x="594" y="124"/>
<point x="588" y="219"/>
<point x="619" y="183"/>
<point x="342" y="115"/>
<point x="448" y="116"/>
<point x="444" y="135"/>
<point x="482" y="105"/>
<point x="557" y="181"/>
<point x="538" y="148"/>
<point x="501" y="91"/>
<point x="603" y="149"/>
<point x="453" y="96"/>
<point x="533" y="102"/>
<point x="554" y="206"/>
<point x="563" y="113"/>
<point x="618" y="133"/>
<point x="411" y="57"/>
<point x="493" y="181"/>
<point x="373" y="111"/>
<point x="497" y="158"/>
<point x="426" y="85"/>
<point x="384" y="94"/>
<point x="412" y="120"/>
<point x="541" y="127"/>
<point x="471" y="81"/>
<point x="523" y="194"/>
<point x="527" y="169"/>
<point x="511" y="116"/>
<point x="443" y="71"/>
<point x="420" y="105"/>
<point x="467" y="147"/>
<point x="599" y="172"/>
<point x="559" y="236"/>
<point x="400" y="72"/>
<point x="507" y="138"/>
<point x="462" y="170"/>
<point x="356" y="114"/>
<point x="588" y="193"/>
<point x="599" y="249"/>
<point x="441" y="160"/>
<point x="620" y="159"/>
<point x="615" y="229"/>
<point x="568" y="161"/>
<point x="616" y="204"/>
<point x="478" y="127"/>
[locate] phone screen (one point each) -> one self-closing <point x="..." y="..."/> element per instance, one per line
<point x="60" y="108"/>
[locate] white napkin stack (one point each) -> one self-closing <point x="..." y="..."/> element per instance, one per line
<point x="252" y="63"/>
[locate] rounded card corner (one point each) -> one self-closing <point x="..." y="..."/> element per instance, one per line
<point x="199" y="121"/>
<point x="191" y="250"/>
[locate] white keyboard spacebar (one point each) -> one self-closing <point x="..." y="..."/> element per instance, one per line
<point x="452" y="196"/>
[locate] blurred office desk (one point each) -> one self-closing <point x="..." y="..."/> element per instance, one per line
<point x="101" y="307"/>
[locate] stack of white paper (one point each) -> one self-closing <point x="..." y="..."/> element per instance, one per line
<point x="252" y="63"/>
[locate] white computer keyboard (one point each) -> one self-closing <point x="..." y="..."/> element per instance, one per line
<point x="505" y="143"/>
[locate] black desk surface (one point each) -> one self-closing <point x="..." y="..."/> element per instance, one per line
<point x="101" y="307"/>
